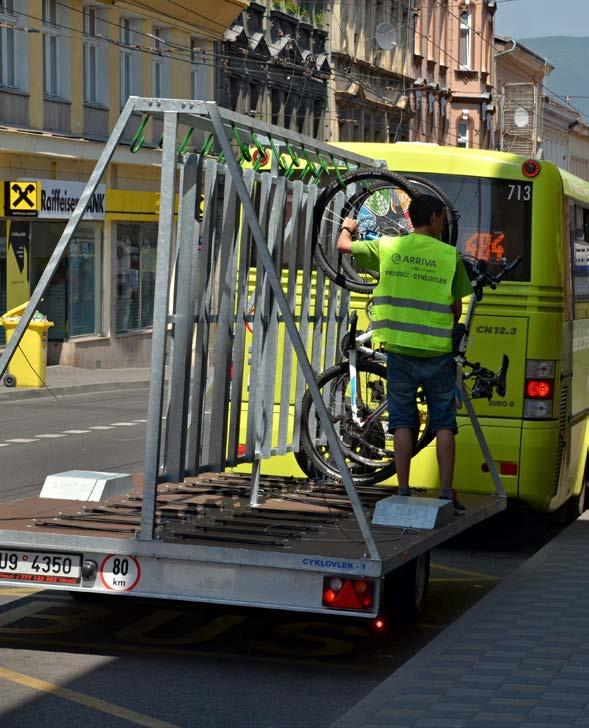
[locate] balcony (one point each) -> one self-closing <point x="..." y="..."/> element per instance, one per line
<point x="210" y="17"/>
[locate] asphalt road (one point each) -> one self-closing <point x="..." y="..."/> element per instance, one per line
<point x="41" y="436"/>
<point x="122" y="661"/>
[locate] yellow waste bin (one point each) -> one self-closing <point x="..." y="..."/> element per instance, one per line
<point x="29" y="362"/>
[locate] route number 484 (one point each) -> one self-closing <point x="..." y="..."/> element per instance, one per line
<point x="486" y="246"/>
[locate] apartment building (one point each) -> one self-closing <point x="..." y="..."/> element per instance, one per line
<point x="66" y="70"/>
<point x="452" y="97"/>
<point x="371" y="80"/>
<point x="272" y="64"/>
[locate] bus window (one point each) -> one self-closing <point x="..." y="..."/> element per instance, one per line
<point x="580" y="253"/>
<point x="495" y="218"/>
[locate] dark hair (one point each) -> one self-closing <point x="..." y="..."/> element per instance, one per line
<point x="423" y="207"/>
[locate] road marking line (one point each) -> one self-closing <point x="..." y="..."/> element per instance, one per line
<point x="76" y="432"/>
<point x="466" y="572"/>
<point x="123" y="424"/>
<point x="139" y="420"/>
<point x="101" y="427"/>
<point x="4" y="444"/>
<point x="15" y="591"/>
<point x="460" y="579"/>
<point x="87" y="700"/>
<point x="49" y="435"/>
<point x="21" y="440"/>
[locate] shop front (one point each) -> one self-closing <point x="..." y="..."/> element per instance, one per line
<point x="101" y="296"/>
<point x="27" y="241"/>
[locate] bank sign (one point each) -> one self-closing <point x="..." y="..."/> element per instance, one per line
<point x="60" y="197"/>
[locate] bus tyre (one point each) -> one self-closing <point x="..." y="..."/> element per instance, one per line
<point x="9" y="380"/>
<point x="577" y="505"/>
<point x="405" y="590"/>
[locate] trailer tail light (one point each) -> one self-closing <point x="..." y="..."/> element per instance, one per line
<point x="344" y="593"/>
<point x="539" y="389"/>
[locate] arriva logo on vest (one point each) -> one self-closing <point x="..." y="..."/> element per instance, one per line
<point x="413" y="260"/>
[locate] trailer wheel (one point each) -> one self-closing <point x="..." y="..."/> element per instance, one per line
<point x="9" y="380"/>
<point x="405" y="590"/>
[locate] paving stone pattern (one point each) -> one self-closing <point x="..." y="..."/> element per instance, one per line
<point x="518" y="659"/>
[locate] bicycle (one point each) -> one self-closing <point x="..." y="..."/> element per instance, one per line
<point x="355" y="392"/>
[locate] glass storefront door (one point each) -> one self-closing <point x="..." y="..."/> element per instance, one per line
<point x="44" y="238"/>
<point x="72" y="300"/>
<point x="2" y="277"/>
<point x="84" y="280"/>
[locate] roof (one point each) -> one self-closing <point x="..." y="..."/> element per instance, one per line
<point x="526" y="50"/>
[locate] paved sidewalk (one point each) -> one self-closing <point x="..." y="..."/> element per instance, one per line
<point x="72" y="380"/>
<point x="518" y="659"/>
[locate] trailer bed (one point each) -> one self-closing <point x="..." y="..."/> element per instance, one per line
<point x="205" y="531"/>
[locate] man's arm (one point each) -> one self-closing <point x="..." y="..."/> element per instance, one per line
<point x="457" y="310"/>
<point x="344" y="242"/>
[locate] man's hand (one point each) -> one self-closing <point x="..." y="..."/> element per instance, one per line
<point x="344" y="242"/>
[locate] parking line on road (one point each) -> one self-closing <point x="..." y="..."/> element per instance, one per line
<point x="139" y="420"/>
<point x="76" y="432"/>
<point x="4" y="444"/>
<point x="123" y="424"/>
<point x="21" y="440"/>
<point x="87" y="700"/>
<point x="466" y="572"/>
<point x="101" y="427"/>
<point x="49" y="435"/>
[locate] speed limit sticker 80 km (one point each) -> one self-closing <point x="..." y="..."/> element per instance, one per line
<point x="120" y="573"/>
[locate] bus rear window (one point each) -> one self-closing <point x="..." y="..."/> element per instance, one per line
<point x="495" y="218"/>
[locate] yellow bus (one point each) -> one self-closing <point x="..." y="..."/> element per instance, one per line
<point x="509" y="206"/>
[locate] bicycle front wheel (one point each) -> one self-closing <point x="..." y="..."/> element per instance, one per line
<point x="379" y="201"/>
<point x="362" y="435"/>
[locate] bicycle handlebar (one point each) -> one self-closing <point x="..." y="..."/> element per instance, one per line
<point x="480" y="277"/>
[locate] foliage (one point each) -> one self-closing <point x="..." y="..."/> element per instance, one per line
<point x="291" y="7"/>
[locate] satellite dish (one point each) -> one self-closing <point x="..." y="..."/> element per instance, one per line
<point x="521" y="117"/>
<point x="386" y="36"/>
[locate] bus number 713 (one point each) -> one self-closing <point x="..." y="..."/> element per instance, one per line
<point x="520" y="192"/>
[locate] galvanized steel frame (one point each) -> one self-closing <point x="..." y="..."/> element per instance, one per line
<point x="186" y="427"/>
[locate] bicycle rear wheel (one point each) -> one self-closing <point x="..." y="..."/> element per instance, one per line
<point x="367" y="450"/>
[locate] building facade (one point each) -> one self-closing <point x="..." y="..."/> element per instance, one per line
<point x="67" y="70"/>
<point x="520" y="75"/>
<point x="452" y="96"/>
<point x="371" y="44"/>
<point x="272" y="64"/>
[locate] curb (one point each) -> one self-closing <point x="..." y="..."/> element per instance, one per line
<point x="400" y="680"/>
<point x="20" y="394"/>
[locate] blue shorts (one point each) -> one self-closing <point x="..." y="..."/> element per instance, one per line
<point x="437" y="376"/>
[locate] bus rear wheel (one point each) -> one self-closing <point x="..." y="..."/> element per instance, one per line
<point x="577" y="505"/>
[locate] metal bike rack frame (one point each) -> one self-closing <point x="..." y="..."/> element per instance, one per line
<point x="189" y="429"/>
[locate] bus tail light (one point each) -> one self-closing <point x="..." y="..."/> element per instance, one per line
<point x="539" y="389"/>
<point x="343" y="593"/>
<point x="505" y="468"/>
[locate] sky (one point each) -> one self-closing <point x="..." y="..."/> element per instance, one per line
<point x="533" y="18"/>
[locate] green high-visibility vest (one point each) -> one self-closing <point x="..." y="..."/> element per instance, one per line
<point x="413" y="302"/>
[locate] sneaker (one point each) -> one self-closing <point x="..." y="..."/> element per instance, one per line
<point x="459" y="508"/>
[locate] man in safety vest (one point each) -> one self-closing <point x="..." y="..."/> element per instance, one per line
<point x="416" y="303"/>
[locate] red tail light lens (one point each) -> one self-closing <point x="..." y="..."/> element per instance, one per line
<point x="531" y="168"/>
<point x="341" y="593"/>
<point x="539" y="389"/>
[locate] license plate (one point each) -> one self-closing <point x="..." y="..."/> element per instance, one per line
<point x="40" y="567"/>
